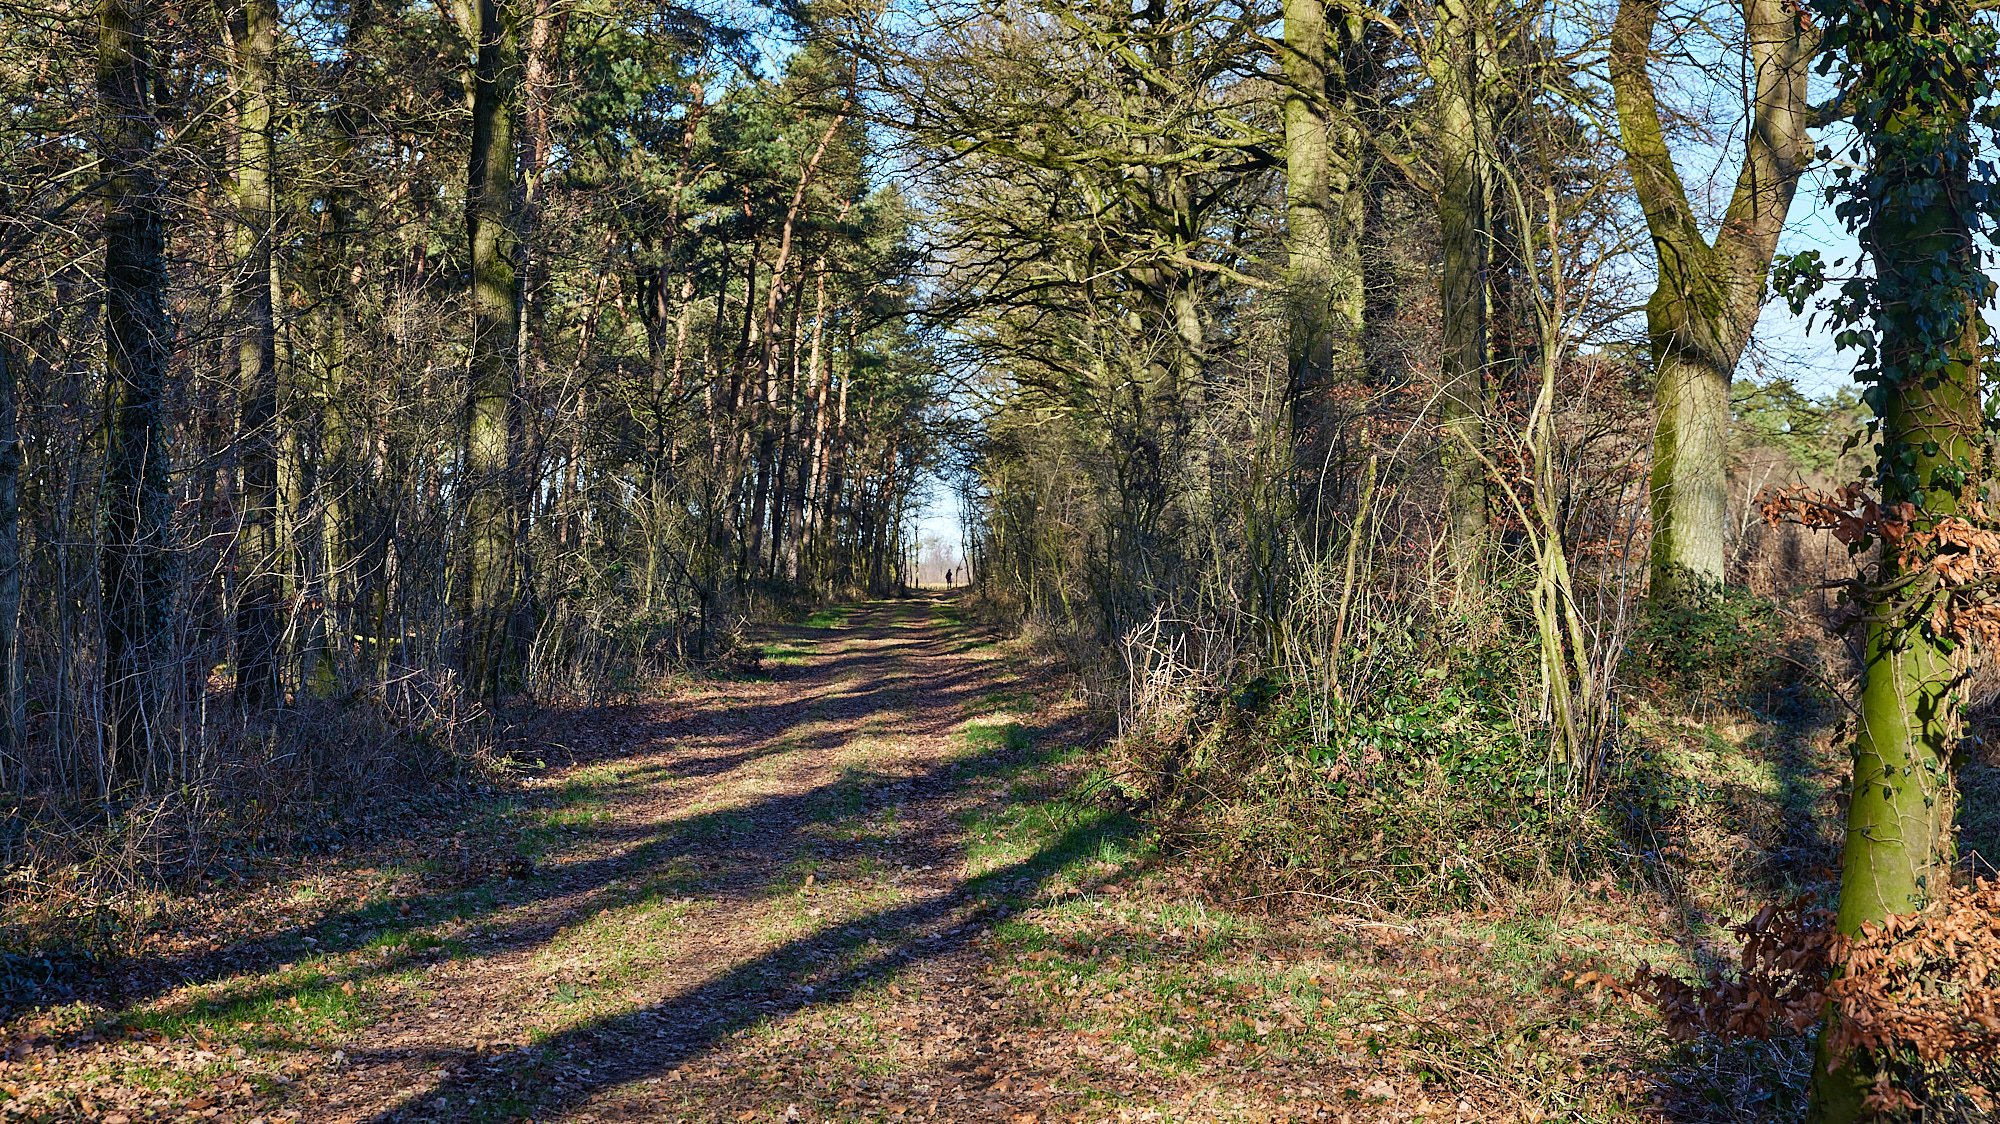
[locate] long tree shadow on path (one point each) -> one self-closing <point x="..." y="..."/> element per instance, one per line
<point x="824" y="968"/>
<point x="670" y="838"/>
<point x="780" y="822"/>
<point x="722" y="837"/>
<point x="737" y="842"/>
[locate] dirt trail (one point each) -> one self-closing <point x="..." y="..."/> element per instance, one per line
<point x="753" y="851"/>
<point x="875" y="882"/>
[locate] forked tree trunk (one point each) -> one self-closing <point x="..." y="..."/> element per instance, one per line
<point x="1706" y="301"/>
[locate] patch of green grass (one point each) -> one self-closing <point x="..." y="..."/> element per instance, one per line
<point x="809" y="894"/>
<point x="721" y="824"/>
<point x="1525" y="944"/>
<point x="1066" y="834"/>
<point x="783" y="655"/>
<point x="165" y="1079"/>
<point x="1169" y="1046"/>
<point x="581" y="801"/>
<point x="833" y="616"/>
<point x="573" y="816"/>
<point x="1209" y="932"/>
<point x="995" y="737"/>
<point x="602" y="957"/>
<point x="677" y="876"/>
<point x="1020" y="831"/>
<point x="869" y="1046"/>
<point x="308" y="1005"/>
<point x="842" y="800"/>
<point x="384" y="923"/>
<point x="408" y="943"/>
<point x="1022" y="936"/>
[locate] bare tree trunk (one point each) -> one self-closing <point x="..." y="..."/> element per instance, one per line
<point x="490" y="562"/>
<point x="837" y="458"/>
<point x="768" y="333"/>
<point x="528" y="442"/>
<point x="134" y="562"/>
<point x="13" y="693"/>
<point x="813" y="546"/>
<point x="784" y="558"/>
<point x="338" y="477"/>
<point x="809" y="455"/>
<point x="1462" y="64"/>
<point x="1324" y="209"/>
<point x="253" y="43"/>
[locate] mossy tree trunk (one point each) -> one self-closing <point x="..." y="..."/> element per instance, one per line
<point x="1705" y="303"/>
<point x="489" y="585"/>
<point x="1324" y="209"/>
<point x="1916" y="79"/>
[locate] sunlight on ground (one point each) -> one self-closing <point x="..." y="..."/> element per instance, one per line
<point x="908" y="906"/>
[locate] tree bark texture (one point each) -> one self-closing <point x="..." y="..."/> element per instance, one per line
<point x="1923" y="242"/>
<point x="490" y="563"/>
<point x="1324" y="208"/>
<point x="1462" y="65"/>
<point x="1705" y="304"/>
<point x="259" y="559"/>
<point x="133" y="563"/>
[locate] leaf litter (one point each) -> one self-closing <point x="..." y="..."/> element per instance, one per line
<point x="853" y="888"/>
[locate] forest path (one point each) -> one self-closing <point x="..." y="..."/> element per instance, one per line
<point x="767" y="909"/>
<point x="876" y="882"/>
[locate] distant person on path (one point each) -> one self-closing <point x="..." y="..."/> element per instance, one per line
<point x="947" y="578"/>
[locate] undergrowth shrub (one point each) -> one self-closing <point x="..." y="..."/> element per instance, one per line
<point x="1418" y="771"/>
<point x="1723" y="646"/>
<point x="91" y="882"/>
<point x="1431" y="791"/>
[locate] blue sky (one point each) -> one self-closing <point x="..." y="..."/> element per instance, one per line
<point x="1793" y="346"/>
